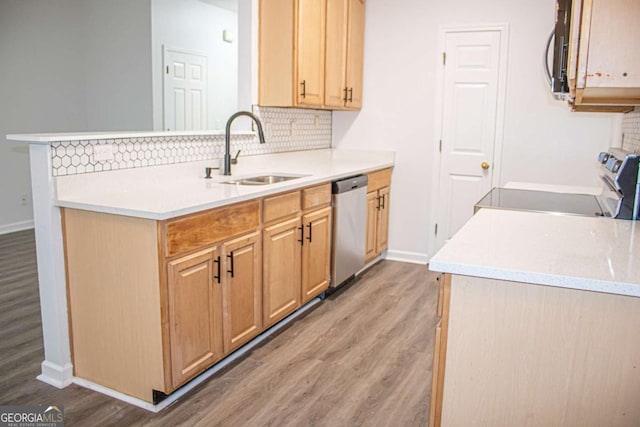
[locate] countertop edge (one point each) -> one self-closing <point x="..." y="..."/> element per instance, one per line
<point x="536" y="278"/>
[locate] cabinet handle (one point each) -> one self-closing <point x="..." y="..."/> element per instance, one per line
<point x="304" y="89"/>
<point x="301" y="240"/>
<point x="217" y="261"/>
<point x="350" y="94"/>
<point x="383" y="200"/>
<point x="345" y="94"/>
<point x="378" y="207"/>
<point x="230" y="256"/>
<point x="310" y="225"/>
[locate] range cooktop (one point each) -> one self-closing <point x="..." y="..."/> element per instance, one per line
<point x="541" y="201"/>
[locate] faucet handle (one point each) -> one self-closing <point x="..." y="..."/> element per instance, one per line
<point x="234" y="160"/>
<point x="208" y="171"/>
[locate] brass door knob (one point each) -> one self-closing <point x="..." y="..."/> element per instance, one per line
<point x="485" y="165"/>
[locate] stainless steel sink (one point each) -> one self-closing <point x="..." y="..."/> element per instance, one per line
<point x="262" y="179"/>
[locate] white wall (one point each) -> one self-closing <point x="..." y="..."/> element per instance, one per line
<point x="541" y="137"/>
<point x="117" y="52"/>
<point x="197" y="26"/>
<point x="39" y="42"/>
<point x="61" y="60"/>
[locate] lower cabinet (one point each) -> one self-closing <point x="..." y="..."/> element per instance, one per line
<point x="316" y="253"/>
<point x="242" y="290"/>
<point x="281" y="270"/>
<point x="195" y="313"/>
<point x="377" y="213"/>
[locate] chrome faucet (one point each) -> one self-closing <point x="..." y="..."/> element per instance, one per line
<point x="226" y="167"/>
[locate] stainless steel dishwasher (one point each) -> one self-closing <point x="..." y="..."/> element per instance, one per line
<point x="349" y="228"/>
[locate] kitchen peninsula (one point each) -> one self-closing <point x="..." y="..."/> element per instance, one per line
<point x="148" y="254"/>
<point x="540" y="318"/>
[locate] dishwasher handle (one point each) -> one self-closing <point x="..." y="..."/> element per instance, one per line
<point x="349" y="184"/>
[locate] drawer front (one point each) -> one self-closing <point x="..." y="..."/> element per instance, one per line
<point x="209" y="227"/>
<point x="379" y="179"/>
<point x="281" y="206"/>
<point x="317" y="196"/>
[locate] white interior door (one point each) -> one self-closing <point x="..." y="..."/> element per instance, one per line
<point x="471" y="88"/>
<point x="185" y="90"/>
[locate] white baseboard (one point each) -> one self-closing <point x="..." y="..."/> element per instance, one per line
<point x="404" y="256"/>
<point x="56" y="375"/>
<point x="16" y="226"/>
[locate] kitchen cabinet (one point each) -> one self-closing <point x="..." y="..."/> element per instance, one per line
<point x="281" y="270"/>
<point x="344" y="54"/>
<point x="301" y="237"/>
<point x="311" y="53"/>
<point x="316" y="253"/>
<point x="603" y="70"/>
<point x="195" y="313"/>
<point x="242" y="290"/>
<point x="378" y="198"/>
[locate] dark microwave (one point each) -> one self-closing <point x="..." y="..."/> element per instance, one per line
<point x="559" y="39"/>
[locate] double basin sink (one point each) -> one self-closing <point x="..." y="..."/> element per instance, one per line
<point x="263" y="179"/>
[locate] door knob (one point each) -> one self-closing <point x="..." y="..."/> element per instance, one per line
<point x="484" y="165"/>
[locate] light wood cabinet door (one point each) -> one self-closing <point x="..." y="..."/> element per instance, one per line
<point x="335" y="91"/>
<point x="355" y="54"/>
<point x="242" y="290"/>
<point x="316" y="253"/>
<point x="281" y="263"/>
<point x="603" y="69"/>
<point x="383" y="220"/>
<point x="372" y="225"/>
<point x="195" y="314"/>
<point x="310" y="42"/>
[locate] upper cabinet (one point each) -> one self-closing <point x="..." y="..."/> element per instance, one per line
<point x="344" y="54"/>
<point x="604" y="67"/>
<point x="311" y="53"/>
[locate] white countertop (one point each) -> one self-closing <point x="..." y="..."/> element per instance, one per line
<point x="593" y="254"/>
<point x="47" y="138"/>
<point x="162" y="192"/>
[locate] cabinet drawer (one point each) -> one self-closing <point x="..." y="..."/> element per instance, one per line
<point x="281" y="206"/>
<point x="316" y="196"/>
<point x="205" y="228"/>
<point x="379" y="179"/>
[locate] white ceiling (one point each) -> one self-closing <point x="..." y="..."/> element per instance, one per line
<point x="224" y="4"/>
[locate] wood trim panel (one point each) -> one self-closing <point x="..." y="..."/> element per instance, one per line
<point x="315" y="197"/>
<point x="113" y="278"/>
<point x="206" y="228"/>
<point x="281" y="206"/>
<point x="540" y="355"/>
<point x="379" y="179"/>
<point x="440" y="356"/>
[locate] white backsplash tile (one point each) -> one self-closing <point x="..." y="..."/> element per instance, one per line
<point x="286" y="129"/>
<point x="631" y="131"/>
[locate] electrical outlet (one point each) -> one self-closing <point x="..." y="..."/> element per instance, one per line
<point x="294" y="128"/>
<point x="24" y="200"/>
<point x="316" y="121"/>
<point x="103" y="152"/>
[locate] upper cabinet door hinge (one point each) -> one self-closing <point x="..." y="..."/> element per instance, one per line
<point x="440" y="146"/>
<point x="436" y="230"/>
<point x="167" y="69"/>
<point x="444" y="58"/>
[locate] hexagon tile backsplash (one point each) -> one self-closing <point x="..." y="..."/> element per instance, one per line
<point x="286" y="129"/>
<point x="631" y="131"/>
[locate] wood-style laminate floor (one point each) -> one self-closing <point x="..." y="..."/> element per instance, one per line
<point x="362" y="357"/>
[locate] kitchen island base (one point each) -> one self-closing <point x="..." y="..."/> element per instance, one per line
<point x="524" y="354"/>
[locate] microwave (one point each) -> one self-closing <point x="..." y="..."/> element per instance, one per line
<point x="559" y="40"/>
